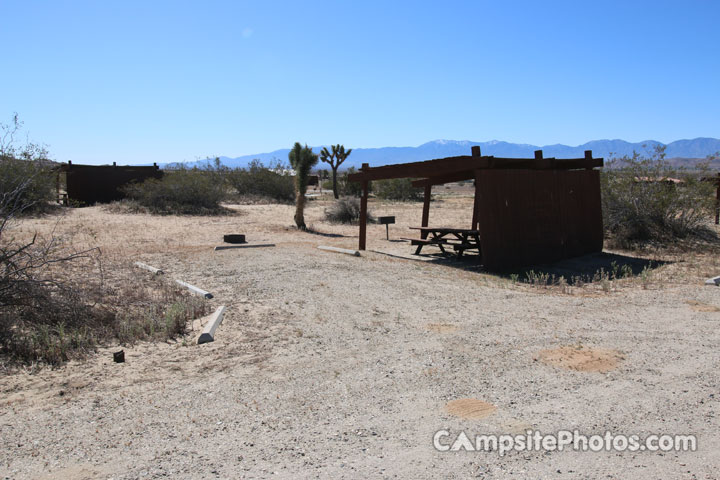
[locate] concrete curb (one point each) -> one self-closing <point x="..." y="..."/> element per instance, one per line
<point x="147" y="267"/>
<point x="354" y="253"/>
<point x="208" y="333"/>
<point x="194" y="289"/>
<point x="227" y="247"/>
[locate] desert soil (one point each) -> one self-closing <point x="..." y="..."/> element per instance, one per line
<point x="333" y="366"/>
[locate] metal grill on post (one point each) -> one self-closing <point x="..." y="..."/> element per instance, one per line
<point x="386" y="221"/>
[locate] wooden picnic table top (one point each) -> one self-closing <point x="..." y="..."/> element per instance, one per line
<point x="447" y="230"/>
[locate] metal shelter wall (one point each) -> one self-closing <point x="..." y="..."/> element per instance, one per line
<point x="529" y="217"/>
<point x="91" y="184"/>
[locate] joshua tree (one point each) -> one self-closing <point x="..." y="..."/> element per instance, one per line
<point x="335" y="159"/>
<point x="302" y="159"/>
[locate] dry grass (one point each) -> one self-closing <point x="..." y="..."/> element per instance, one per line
<point x="75" y="305"/>
<point x="92" y="308"/>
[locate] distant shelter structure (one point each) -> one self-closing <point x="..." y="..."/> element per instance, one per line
<point x="90" y="184"/>
<point x="526" y="211"/>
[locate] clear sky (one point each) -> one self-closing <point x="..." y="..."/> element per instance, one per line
<point x="154" y="81"/>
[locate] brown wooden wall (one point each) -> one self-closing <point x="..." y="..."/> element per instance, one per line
<point x="91" y="184"/>
<point x="529" y="217"/>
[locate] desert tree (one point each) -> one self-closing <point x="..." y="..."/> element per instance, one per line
<point x="334" y="157"/>
<point x="302" y="159"/>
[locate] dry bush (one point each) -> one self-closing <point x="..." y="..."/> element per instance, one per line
<point x="31" y="184"/>
<point x="181" y="191"/>
<point x="149" y="307"/>
<point x="27" y="182"/>
<point x="646" y="201"/>
<point x="397" y="189"/>
<point x="348" y="188"/>
<point x="258" y="183"/>
<point x="346" y="210"/>
<point x="71" y="307"/>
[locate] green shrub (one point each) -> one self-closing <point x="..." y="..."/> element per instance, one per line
<point x="397" y="189"/>
<point x="647" y="201"/>
<point x="346" y="210"/>
<point x="185" y="191"/>
<point x="267" y="183"/>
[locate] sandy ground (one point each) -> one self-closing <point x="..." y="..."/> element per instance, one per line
<point x="332" y="366"/>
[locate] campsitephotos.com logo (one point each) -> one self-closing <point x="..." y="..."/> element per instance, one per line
<point x="536" y="441"/>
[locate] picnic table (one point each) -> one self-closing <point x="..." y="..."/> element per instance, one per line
<point x="460" y="239"/>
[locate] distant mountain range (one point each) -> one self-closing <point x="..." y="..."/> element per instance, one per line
<point x="683" y="151"/>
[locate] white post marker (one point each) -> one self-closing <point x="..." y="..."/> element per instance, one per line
<point x="147" y="267"/>
<point x="346" y="251"/>
<point x="208" y="333"/>
<point x="195" y="289"/>
<point x="713" y="281"/>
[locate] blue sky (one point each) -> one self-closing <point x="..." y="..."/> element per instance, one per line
<point x="146" y="81"/>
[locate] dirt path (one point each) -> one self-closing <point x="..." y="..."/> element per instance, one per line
<point x="333" y="366"/>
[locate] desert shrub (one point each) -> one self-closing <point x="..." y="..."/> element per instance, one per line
<point x="184" y="191"/>
<point x="348" y="188"/>
<point x="26" y="174"/>
<point x="33" y="178"/>
<point x="346" y="210"/>
<point x="397" y="189"/>
<point x="55" y="302"/>
<point x="260" y="182"/>
<point x="647" y="201"/>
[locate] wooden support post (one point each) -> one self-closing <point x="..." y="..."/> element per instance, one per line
<point x="363" y="209"/>
<point x="542" y="163"/>
<point x="717" y="201"/>
<point x="476" y="203"/>
<point x="426" y="210"/>
<point x="588" y="157"/>
<point x="475" y="151"/>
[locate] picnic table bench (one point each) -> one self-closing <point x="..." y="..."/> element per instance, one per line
<point x="460" y="239"/>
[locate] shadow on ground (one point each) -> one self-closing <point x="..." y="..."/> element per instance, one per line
<point x="586" y="269"/>
<point x="329" y="235"/>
